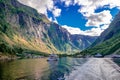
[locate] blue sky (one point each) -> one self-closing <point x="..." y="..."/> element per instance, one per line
<point x="87" y="17"/>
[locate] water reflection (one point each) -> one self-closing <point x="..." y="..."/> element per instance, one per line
<point x="64" y="69"/>
<point x="58" y="70"/>
<point x="22" y="69"/>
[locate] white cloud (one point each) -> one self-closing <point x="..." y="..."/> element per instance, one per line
<point x="72" y="30"/>
<point x="88" y="8"/>
<point x="97" y="19"/>
<point x="55" y="20"/>
<point x="91" y="32"/>
<point x="67" y="2"/>
<point x="56" y="12"/>
<point x="50" y="19"/>
<point x="42" y="6"/>
<point x="103" y="18"/>
<point x="103" y="27"/>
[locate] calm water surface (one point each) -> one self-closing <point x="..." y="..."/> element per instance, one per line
<point x="64" y="69"/>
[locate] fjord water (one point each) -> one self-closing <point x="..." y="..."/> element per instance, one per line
<point x="64" y="69"/>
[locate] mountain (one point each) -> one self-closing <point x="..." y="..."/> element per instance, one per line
<point x="24" y="30"/>
<point x="109" y="41"/>
<point x="82" y="41"/>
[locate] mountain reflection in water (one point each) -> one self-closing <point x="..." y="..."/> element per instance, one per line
<point x="64" y="69"/>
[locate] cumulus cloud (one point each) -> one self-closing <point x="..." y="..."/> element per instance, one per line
<point x="50" y="18"/>
<point x="42" y="6"/>
<point x="56" y="12"/>
<point x="87" y="9"/>
<point x="53" y="19"/>
<point x="89" y="6"/>
<point x="72" y="30"/>
<point x="103" y="27"/>
<point x="91" y="32"/>
<point x="67" y="2"/>
<point x="97" y="19"/>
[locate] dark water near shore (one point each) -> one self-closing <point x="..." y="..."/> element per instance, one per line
<point x="64" y="69"/>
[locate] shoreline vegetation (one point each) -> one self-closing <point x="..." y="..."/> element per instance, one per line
<point x="7" y="57"/>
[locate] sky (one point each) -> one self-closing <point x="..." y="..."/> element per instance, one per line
<point x="86" y="17"/>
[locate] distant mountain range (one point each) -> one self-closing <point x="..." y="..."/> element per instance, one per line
<point x="108" y="42"/>
<point x="23" y="29"/>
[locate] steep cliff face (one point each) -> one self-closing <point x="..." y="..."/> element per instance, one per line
<point x="82" y="41"/>
<point x="109" y="41"/>
<point x="25" y="25"/>
<point x="23" y="29"/>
